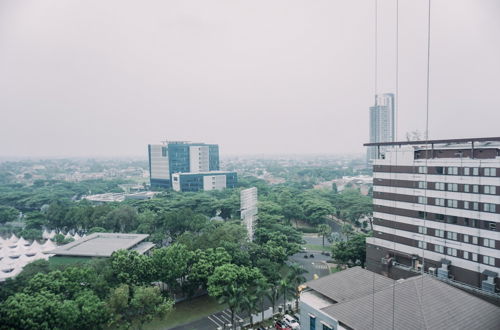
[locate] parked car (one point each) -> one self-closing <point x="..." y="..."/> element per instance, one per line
<point x="291" y="322"/>
<point x="279" y="325"/>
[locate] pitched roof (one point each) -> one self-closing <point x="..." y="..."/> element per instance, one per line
<point x="420" y="302"/>
<point x="349" y="284"/>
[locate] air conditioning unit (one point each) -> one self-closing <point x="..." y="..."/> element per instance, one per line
<point x="419" y="268"/>
<point x="488" y="286"/>
<point x="432" y="271"/>
<point x="442" y="273"/>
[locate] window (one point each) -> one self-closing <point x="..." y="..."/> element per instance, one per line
<point x="466" y="238"/>
<point x="326" y="327"/>
<point x="452" y="203"/>
<point x="439" y="201"/>
<point x="490" y="171"/>
<point x="440" y="216"/>
<point x="475" y="206"/>
<point x="422" y="245"/>
<point x="489" y="260"/>
<point x="475" y="171"/>
<point x="466" y="255"/>
<point x="439" y="248"/>
<point x="164" y="151"/>
<point x="492" y="190"/>
<point x="451" y="235"/>
<point x="466" y="205"/>
<point x="422" y="230"/>
<point x="312" y="322"/>
<point x="474" y="256"/>
<point x="439" y="233"/>
<point x="489" y="243"/>
<point x="488" y="207"/>
<point x="439" y="170"/>
<point x="492" y="226"/>
<point x="452" y="170"/>
<point x="466" y="171"/>
<point x="421" y="214"/>
<point x="451" y="252"/>
<point x="474" y="240"/>
<point x="422" y="169"/>
<point x="475" y="188"/>
<point x="422" y="200"/>
<point x="439" y="185"/>
<point x="452" y="187"/>
<point x="422" y="185"/>
<point x="466" y="188"/>
<point x="451" y="219"/>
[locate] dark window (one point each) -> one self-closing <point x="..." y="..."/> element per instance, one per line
<point x="421" y="214"/>
<point x="451" y="219"/>
<point x="439" y="216"/>
<point x="312" y="323"/>
<point x="439" y="170"/>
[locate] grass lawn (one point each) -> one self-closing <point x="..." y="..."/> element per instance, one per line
<point x="56" y="262"/>
<point x="186" y="312"/>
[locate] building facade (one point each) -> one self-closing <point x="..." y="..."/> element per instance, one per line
<point x="214" y="180"/>
<point x="180" y="157"/>
<point x="436" y="207"/>
<point x="249" y="209"/>
<point x="382" y="122"/>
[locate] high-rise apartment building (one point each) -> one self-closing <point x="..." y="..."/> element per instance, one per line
<point x="382" y="122"/>
<point x="249" y="209"/>
<point x="436" y="205"/>
<point x="180" y="157"/>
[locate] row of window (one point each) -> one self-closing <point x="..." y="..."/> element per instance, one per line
<point x="451" y="219"/>
<point x="453" y="203"/>
<point x="487" y="242"/>
<point x="454" y="253"/>
<point x="454" y="170"/>
<point x="468" y="188"/>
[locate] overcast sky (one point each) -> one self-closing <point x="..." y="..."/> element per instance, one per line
<point x="105" y="78"/>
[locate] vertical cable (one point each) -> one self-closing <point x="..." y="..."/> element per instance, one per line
<point x="426" y="139"/>
<point x="376" y="91"/>
<point x="395" y="139"/>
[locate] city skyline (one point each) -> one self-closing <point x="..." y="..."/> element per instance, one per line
<point x="299" y="82"/>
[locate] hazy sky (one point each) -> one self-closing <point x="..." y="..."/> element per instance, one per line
<point x="97" y="78"/>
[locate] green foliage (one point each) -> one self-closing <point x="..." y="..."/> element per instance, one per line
<point x="141" y="304"/>
<point x="8" y="214"/>
<point x="351" y="252"/>
<point x="132" y="268"/>
<point x="171" y="264"/>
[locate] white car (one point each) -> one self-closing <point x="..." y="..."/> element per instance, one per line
<point x="291" y="322"/>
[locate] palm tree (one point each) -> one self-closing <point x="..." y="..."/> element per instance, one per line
<point x="232" y="299"/>
<point x="324" y="230"/>
<point x="250" y="302"/>
<point x="273" y="294"/>
<point x="286" y="287"/>
<point x="261" y="291"/>
<point x="296" y="278"/>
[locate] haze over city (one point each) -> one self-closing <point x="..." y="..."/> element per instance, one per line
<point x="99" y="78"/>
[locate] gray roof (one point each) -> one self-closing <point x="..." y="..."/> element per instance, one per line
<point x="100" y="244"/>
<point x="420" y="302"/>
<point x="349" y="284"/>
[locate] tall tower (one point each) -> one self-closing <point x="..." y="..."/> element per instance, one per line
<point x="382" y="123"/>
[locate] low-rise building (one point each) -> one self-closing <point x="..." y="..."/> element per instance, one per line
<point x="104" y="244"/>
<point x="213" y="180"/>
<point x="360" y="299"/>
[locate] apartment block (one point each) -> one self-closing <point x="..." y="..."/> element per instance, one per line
<point x="213" y="180"/>
<point x="436" y="207"/>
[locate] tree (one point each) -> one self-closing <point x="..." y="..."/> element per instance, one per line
<point x="286" y="287"/>
<point x="122" y="219"/>
<point x="351" y="252"/>
<point x="296" y="277"/>
<point x="204" y="263"/>
<point x="324" y="230"/>
<point x="171" y="264"/>
<point x="132" y="268"/>
<point x="8" y="214"/>
<point x="129" y="304"/>
<point x="229" y="283"/>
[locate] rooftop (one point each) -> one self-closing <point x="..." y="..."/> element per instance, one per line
<point x="103" y="245"/>
<point x="445" y="141"/>
<point x="420" y="302"/>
